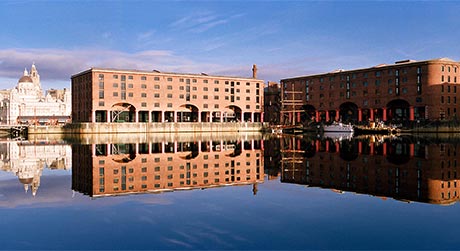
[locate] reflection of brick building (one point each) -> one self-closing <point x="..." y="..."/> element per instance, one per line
<point x="272" y="103"/>
<point x="117" y="169"/>
<point x="399" y="169"/>
<point x="404" y="91"/>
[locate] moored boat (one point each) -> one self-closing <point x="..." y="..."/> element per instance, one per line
<point x="338" y="127"/>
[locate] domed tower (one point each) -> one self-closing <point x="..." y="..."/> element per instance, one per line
<point x="29" y="83"/>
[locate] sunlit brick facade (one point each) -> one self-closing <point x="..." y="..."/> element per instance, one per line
<point x="405" y="91"/>
<point x="113" y="95"/>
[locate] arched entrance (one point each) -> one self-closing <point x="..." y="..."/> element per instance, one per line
<point x="398" y="110"/>
<point x="348" y="112"/>
<point x="187" y="113"/>
<point x="123" y="112"/>
<point x="234" y="115"/>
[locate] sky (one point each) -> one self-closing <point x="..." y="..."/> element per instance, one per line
<point x="283" y="38"/>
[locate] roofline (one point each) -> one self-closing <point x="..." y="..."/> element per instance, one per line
<point x="397" y="63"/>
<point x="155" y="72"/>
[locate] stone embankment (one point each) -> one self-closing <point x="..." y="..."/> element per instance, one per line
<point x="104" y="128"/>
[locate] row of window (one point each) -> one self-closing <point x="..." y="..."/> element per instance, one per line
<point x="169" y="184"/>
<point x="170" y="79"/>
<point x="170" y="168"/>
<point x="448" y="100"/>
<point x="170" y="96"/>
<point x="170" y="105"/>
<point x="170" y="87"/>
<point x="366" y="74"/>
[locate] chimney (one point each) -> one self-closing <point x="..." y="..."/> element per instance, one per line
<point x="254" y="71"/>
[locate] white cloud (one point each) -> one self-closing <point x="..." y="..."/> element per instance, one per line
<point x="201" y="22"/>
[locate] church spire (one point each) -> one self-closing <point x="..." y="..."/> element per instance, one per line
<point x="25" y="72"/>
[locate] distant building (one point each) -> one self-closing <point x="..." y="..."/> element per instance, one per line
<point x="113" y="95"/>
<point x="272" y="103"/>
<point x="405" y="91"/>
<point x="26" y="103"/>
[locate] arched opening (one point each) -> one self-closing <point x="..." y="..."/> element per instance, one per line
<point x="123" y="153"/>
<point x="123" y="112"/>
<point x="348" y="112"/>
<point x="187" y="113"/>
<point x="398" y="110"/>
<point x="234" y="115"/>
<point x="348" y="150"/>
<point x="398" y="151"/>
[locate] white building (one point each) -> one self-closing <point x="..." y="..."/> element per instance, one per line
<point x="26" y="103"/>
<point x="27" y="160"/>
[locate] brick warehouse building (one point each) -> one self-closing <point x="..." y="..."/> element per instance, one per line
<point x="405" y="91"/>
<point x="114" y="95"/>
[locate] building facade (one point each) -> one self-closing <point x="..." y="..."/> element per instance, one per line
<point x="405" y="91"/>
<point x="111" y="95"/>
<point x="26" y="103"/>
<point x="272" y="103"/>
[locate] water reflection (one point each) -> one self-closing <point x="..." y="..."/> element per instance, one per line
<point x="28" y="159"/>
<point x="404" y="168"/>
<point x="166" y="164"/>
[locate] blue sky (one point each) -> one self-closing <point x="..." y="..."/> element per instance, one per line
<point x="284" y="38"/>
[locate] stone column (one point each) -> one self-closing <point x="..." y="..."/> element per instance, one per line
<point x="411" y="113"/>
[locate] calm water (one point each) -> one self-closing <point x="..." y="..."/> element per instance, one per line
<point x="230" y="192"/>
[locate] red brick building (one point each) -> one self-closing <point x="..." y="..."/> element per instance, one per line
<point x="113" y="95"/>
<point x="405" y="91"/>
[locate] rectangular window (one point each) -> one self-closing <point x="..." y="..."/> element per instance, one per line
<point x="101" y="85"/>
<point x="156" y="78"/>
<point x="170" y="95"/>
<point x="143" y="78"/>
<point x="130" y="94"/>
<point x="115" y="94"/>
<point x="101" y="94"/>
<point x="143" y="95"/>
<point x="169" y="87"/>
<point x="101" y="103"/>
<point x="169" y="79"/>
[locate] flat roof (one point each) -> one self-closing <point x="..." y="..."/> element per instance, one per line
<point x="157" y="72"/>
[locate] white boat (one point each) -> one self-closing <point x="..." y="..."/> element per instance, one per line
<point x="338" y="136"/>
<point x="338" y="127"/>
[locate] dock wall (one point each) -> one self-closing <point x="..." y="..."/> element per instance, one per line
<point x="104" y="128"/>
